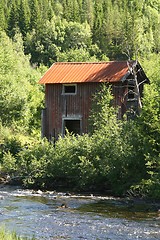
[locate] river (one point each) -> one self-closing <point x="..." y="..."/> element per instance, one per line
<point x="89" y="217"/>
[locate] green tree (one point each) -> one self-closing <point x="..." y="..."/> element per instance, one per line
<point x="98" y="19"/>
<point x="88" y="12"/>
<point x="3" y="22"/>
<point x="72" y="10"/>
<point x="76" y="55"/>
<point x="118" y="146"/>
<point x="24" y="17"/>
<point x="17" y="104"/>
<point x="13" y="19"/>
<point x="102" y="111"/>
<point x="43" y="44"/>
<point x="56" y="39"/>
<point x="35" y="20"/>
<point x="76" y="36"/>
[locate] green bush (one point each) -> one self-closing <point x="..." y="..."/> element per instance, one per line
<point x="31" y="163"/>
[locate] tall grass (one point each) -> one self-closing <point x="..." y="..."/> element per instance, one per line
<point x="6" y="235"/>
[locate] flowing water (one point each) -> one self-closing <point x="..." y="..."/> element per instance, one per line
<point x="89" y="217"/>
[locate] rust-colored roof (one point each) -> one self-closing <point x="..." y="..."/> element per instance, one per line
<point x="77" y="72"/>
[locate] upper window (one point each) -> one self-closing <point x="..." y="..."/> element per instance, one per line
<point x="131" y="93"/>
<point x="69" y="89"/>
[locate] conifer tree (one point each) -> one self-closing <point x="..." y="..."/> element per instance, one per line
<point x="88" y="12"/>
<point x="24" y="17"/>
<point x="98" y="13"/>
<point x="76" y="11"/>
<point x="13" y="18"/>
<point x="35" y="21"/>
<point x="2" y="16"/>
<point x="67" y="9"/>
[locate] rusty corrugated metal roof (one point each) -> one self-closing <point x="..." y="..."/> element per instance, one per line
<point x="77" y="72"/>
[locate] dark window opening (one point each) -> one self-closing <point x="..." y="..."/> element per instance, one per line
<point x="131" y="94"/>
<point x="73" y="126"/>
<point x="69" y="89"/>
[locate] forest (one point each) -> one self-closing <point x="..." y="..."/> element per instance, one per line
<point x="120" y="157"/>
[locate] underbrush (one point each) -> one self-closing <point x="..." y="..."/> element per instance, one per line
<point x="110" y="161"/>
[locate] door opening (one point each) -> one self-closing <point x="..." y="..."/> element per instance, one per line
<point x="73" y="126"/>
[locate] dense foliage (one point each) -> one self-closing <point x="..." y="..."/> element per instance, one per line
<point x="21" y="97"/>
<point x="54" y="30"/>
<point x="118" y="156"/>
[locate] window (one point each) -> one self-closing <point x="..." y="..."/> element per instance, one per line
<point x="69" y="89"/>
<point x="73" y="126"/>
<point x="131" y="94"/>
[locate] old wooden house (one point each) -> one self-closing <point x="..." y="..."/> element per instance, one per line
<point x="70" y="86"/>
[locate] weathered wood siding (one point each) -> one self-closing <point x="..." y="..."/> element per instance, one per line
<point x="60" y="106"/>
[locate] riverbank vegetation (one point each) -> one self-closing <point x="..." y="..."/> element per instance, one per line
<point x="6" y="235"/>
<point x="117" y="157"/>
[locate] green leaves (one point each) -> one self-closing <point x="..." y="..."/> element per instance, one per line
<point x="17" y="103"/>
<point x="102" y="113"/>
<point x="118" y="28"/>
